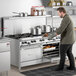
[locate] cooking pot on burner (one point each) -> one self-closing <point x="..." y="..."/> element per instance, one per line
<point x="33" y="31"/>
<point x="36" y="30"/>
<point x="46" y="28"/>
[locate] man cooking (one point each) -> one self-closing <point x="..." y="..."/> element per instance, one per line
<point x="67" y="39"/>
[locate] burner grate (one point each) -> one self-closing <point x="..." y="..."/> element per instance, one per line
<point x="17" y="36"/>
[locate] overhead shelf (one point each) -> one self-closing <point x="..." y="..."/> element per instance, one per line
<point x="74" y="7"/>
<point x="55" y="16"/>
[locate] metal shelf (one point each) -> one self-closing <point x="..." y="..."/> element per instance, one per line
<point x="48" y="50"/>
<point x="71" y="10"/>
<point x="51" y="56"/>
<point x="74" y="7"/>
<point x="55" y="16"/>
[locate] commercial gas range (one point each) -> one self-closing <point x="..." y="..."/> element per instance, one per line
<point x="29" y="39"/>
<point x="27" y="49"/>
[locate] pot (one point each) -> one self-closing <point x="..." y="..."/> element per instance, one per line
<point x="46" y="28"/>
<point x="33" y="31"/>
<point x="22" y="14"/>
<point x="69" y="3"/>
<point x="36" y="30"/>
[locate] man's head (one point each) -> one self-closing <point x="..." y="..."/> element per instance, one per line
<point x="61" y="12"/>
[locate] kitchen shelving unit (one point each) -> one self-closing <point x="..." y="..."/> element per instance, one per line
<point x="52" y="11"/>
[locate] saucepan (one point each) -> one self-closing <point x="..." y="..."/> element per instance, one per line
<point x="46" y="28"/>
<point x="36" y="30"/>
<point x="21" y="14"/>
<point x="69" y="3"/>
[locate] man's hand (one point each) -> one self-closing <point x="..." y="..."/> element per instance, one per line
<point x="45" y="35"/>
<point x="56" y="34"/>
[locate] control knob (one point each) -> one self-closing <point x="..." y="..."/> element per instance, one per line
<point x="23" y="42"/>
<point x="28" y="42"/>
<point x="41" y="39"/>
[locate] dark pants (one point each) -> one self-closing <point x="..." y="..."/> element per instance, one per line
<point x="66" y="49"/>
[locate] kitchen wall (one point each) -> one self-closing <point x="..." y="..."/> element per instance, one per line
<point x="9" y="6"/>
<point x="0" y="24"/>
<point x="74" y="2"/>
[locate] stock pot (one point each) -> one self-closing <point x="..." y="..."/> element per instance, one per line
<point x="46" y="28"/>
<point x="36" y="30"/>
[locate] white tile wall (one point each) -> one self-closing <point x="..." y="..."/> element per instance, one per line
<point x="57" y="21"/>
<point x="9" y="6"/>
<point x="74" y="20"/>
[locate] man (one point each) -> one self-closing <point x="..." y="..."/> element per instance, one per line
<point x="67" y="39"/>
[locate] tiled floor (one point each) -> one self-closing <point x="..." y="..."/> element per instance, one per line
<point x="15" y="72"/>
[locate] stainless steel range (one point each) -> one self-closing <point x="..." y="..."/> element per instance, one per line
<point x="28" y="39"/>
<point x="27" y="49"/>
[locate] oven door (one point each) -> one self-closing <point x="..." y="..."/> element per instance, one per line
<point x="29" y="53"/>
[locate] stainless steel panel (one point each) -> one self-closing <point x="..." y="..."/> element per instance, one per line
<point x="30" y="54"/>
<point x="4" y="46"/>
<point x="22" y="25"/>
<point x="31" y="62"/>
<point x="4" y="61"/>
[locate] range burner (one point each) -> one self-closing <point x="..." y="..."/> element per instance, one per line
<point x="17" y="36"/>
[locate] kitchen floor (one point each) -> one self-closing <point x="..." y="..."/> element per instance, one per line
<point x="15" y="72"/>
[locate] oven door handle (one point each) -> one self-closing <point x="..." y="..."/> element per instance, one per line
<point x="30" y="47"/>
